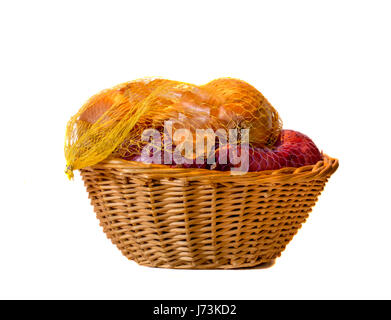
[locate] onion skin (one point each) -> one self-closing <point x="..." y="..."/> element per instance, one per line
<point x="293" y="149"/>
<point x="241" y="106"/>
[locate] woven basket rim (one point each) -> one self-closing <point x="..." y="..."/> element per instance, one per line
<point x="323" y="168"/>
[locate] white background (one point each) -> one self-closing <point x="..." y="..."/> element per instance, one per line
<point x="325" y="66"/>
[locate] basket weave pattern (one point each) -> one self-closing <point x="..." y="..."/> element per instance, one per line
<point x="202" y="219"/>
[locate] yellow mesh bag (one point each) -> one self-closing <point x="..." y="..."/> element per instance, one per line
<point x="111" y="122"/>
<point x="243" y="106"/>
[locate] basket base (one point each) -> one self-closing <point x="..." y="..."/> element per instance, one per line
<point x="255" y="265"/>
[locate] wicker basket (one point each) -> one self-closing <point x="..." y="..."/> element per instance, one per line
<point x="202" y="219"/>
